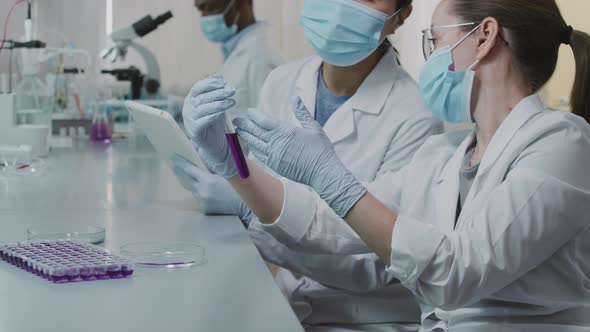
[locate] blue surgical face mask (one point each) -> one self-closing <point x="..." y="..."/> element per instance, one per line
<point x="343" y="32"/>
<point x="448" y="93"/>
<point x="215" y="29"/>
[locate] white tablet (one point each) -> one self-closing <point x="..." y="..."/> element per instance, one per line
<point x="164" y="133"/>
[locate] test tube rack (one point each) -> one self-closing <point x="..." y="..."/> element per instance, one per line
<point x="65" y="261"/>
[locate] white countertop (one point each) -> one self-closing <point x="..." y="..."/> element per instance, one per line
<point x="126" y="189"/>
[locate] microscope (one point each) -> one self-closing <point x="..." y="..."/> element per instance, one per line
<point x="123" y="39"/>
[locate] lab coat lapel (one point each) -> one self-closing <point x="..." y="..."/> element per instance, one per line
<point x="447" y="189"/>
<point x="520" y="115"/>
<point x="341" y="123"/>
<point x="376" y="89"/>
<point x="370" y="98"/>
<point x="306" y="85"/>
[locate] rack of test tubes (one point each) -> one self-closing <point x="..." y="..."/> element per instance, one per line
<point x="66" y="261"/>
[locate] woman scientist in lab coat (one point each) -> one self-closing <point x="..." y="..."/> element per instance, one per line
<point x="490" y="232"/>
<point x="372" y="112"/>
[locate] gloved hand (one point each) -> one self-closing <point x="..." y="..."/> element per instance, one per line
<point x="304" y="155"/>
<point x="214" y="194"/>
<point x="204" y="120"/>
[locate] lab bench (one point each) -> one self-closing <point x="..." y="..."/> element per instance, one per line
<point x="126" y="189"/>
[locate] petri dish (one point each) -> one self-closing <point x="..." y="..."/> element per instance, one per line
<point x="88" y="234"/>
<point x="169" y="255"/>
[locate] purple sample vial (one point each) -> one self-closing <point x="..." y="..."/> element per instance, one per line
<point x="57" y="277"/>
<point x="114" y="271"/>
<point x="72" y="273"/>
<point x="233" y="142"/>
<point x="86" y="272"/>
<point x="100" y="132"/>
<point x="100" y="272"/>
<point x="126" y="270"/>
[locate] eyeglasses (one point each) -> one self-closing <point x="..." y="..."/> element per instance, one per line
<point x="428" y="40"/>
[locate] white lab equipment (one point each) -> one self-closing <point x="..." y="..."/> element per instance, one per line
<point x="11" y="133"/>
<point x="512" y="259"/>
<point x="92" y="234"/>
<point x="27" y="117"/>
<point x="32" y="101"/>
<point x="376" y="131"/>
<point x="33" y="98"/>
<point x="33" y="94"/>
<point x="164" y="133"/>
<point x="143" y="86"/>
<point x="123" y="39"/>
<point x="4" y="83"/>
<point x="167" y="255"/>
<point x="11" y="155"/>
<point x="249" y="64"/>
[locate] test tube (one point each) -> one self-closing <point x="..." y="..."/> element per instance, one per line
<point x="233" y="141"/>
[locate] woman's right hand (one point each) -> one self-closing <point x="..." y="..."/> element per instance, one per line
<point x="204" y="120"/>
<point x="302" y="154"/>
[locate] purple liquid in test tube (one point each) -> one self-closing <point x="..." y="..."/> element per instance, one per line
<point x="236" y="150"/>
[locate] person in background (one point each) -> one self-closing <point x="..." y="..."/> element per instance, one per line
<point x="248" y="56"/>
<point x="372" y="111"/>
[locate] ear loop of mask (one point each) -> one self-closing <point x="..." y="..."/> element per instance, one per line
<point x="386" y="18"/>
<point x="389" y="18"/>
<point x="462" y="40"/>
<point x="468" y="107"/>
<point x="228" y="8"/>
<point x="393" y="15"/>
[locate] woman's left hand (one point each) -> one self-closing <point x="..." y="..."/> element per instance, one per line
<point x="304" y="155"/>
<point x="204" y="120"/>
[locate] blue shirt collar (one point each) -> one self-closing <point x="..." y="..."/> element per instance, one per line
<point x="229" y="46"/>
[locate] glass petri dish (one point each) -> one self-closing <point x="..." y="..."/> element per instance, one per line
<point x="88" y="234"/>
<point x="169" y="255"/>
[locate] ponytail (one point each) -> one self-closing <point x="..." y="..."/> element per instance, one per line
<point x="580" y="98"/>
<point x="537" y="29"/>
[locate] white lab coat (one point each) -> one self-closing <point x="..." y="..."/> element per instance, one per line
<point x="377" y="131"/>
<point x="248" y="66"/>
<point x="517" y="259"/>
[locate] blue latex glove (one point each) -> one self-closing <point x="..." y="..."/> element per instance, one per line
<point x="204" y="120"/>
<point x="304" y="155"/>
<point x="214" y="194"/>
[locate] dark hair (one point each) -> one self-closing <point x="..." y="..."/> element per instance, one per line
<point x="403" y="3"/>
<point x="537" y="29"/>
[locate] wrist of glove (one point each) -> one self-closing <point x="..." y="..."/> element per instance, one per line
<point x="341" y="190"/>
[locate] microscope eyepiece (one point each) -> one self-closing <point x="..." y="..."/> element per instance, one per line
<point x="148" y="24"/>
